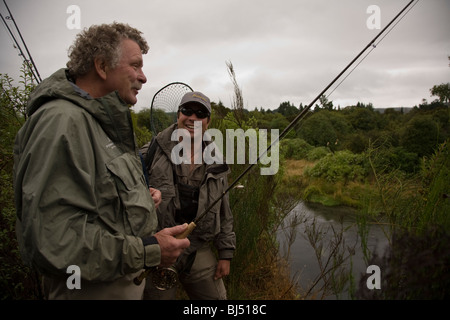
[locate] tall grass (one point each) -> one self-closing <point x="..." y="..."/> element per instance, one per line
<point x="257" y="272"/>
<point x="416" y="211"/>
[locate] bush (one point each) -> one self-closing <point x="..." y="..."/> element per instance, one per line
<point x="341" y="166"/>
<point x="397" y="158"/>
<point x="295" y="148"/>
<point x="317" y="153"/>
<point x="16" y="280"/>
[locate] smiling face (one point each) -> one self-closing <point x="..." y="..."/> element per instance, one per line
<point x="127" y="76"/>
<point x="187" y="121"/>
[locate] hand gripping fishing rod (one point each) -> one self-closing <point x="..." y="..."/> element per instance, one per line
<point x="300" y="116"/>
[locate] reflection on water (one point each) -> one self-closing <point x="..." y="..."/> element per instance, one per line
<point x="304" y="263"/>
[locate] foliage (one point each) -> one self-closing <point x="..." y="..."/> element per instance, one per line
<point x="407" y="153"/>
<point x="415" y="265"/>
<point x="341" y="166"/>
<point x="420" y="135"/>
<point x="295" y="148"/>
<point x="442" y="91"/>
<point x="317" y="153"/>
<point x="142" y="133"/>
<point x="154" y="120"/>
<point x="398" y="158"/>
<point x="16" y="280"/>
<point x="258" y="209"/>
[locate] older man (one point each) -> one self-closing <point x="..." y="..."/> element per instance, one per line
<point x="80" y="193"/>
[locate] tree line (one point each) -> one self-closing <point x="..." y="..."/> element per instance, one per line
<point x="404" y="135"/>
<point x="402" y="138"/>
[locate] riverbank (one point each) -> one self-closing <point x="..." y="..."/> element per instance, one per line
<point x="411" y="208"/>
<point x="317" y="190"/>
<point x="325" y="251"/>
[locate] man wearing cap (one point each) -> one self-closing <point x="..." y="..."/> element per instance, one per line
<point x="187" y="190"/>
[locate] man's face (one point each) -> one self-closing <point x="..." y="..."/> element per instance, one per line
<point x="127" y="77"/>
<point x="187" y="121"/>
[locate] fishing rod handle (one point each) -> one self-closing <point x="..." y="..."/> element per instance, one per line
<point x="138" y="280"/>
<point x="187" y="232"/>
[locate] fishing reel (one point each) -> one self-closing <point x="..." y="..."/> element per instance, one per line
<point x="164" y="278"/>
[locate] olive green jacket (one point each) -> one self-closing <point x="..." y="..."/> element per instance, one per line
<point x="217" y="225"/>
<point x="80" y="192"/>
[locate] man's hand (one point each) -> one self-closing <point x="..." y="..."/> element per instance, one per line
<point x="156" y="196"/>
<point x="171" y="247"/>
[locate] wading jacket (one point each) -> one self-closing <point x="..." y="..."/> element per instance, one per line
<point x="80" y="193"/>
<point x="217" y="225"/>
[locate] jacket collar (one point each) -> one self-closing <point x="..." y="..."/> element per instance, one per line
<point x="166" y="144"/>
<point x="110" y="111"/>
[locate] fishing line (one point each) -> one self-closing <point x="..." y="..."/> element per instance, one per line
<point x="32" y="67"/>
<point x="165" y="271"/>
<point x="297" y="118"/>
<point x="373" y="48"/>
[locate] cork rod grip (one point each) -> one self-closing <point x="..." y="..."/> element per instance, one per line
<point x="138" y="280"/>
<point x="187" y="232"/>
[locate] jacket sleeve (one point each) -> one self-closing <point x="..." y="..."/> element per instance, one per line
<point x="225" y="241"/>
<point x="57" y="203"/>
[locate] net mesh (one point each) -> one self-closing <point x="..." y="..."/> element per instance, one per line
<point x="165" y="105"/>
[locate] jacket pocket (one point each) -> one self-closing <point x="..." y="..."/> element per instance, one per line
<point x="209" y="225"/>
<point x="134" y="195"/>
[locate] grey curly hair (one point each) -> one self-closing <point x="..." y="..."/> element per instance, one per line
<point x="101" y="41"/>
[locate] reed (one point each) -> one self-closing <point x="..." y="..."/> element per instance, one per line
<point x="414" y="210"/>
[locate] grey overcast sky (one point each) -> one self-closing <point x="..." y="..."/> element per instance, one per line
<point x="282" y="50"/>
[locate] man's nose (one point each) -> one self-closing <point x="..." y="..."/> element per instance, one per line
<point x="141" y="76"/>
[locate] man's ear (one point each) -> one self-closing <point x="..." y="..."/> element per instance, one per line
<point x="100" y="67"/>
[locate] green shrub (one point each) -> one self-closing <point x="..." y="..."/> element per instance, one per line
<point x="295" y="148"/>
<point x="340" y="166"/>
<point x="317" y="153"/>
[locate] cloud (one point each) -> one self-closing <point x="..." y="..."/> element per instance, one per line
<point x="285" y="50"/>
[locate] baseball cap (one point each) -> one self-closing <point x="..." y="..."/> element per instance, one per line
<point x="196" y="97"/>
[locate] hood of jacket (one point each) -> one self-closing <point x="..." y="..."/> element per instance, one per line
<point x="110" y="111"/>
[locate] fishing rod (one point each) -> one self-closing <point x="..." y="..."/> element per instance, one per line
<point x="165" y="274"/>
<point x="291" y="125"/>
<point x="29" y="61"/>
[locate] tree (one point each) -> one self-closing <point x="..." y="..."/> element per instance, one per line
<point x="287" y="109"/>
<point x="363" y="118"/>
<point x="442" y="91"/>
<point x="324" y="128"/>
<point x="327" y="105"/>
<point x="420" y="135"/>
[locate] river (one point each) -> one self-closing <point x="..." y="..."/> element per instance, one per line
<point x="304" y="265"/>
